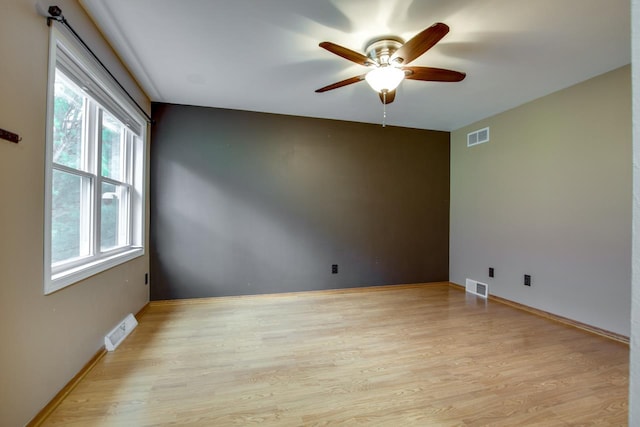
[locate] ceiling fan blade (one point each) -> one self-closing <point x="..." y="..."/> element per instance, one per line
<point x="388" y="97"/>
<point x="341" y="83"/>
<point x="420" y="43"/>
<point x="349" y="54"/>
<point x="430" y="74"/>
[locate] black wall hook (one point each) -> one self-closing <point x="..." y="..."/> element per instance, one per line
<point x="10" y="136"/>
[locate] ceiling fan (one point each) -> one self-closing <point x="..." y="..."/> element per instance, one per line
<point x="388" y="58"/>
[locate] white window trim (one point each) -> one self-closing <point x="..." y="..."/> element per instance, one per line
<point x="56" y="278"/>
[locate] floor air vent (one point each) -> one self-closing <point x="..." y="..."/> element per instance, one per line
<point x="477" y="288"/>
<point x="478" y="137"/>
<point x="120" y="332"/>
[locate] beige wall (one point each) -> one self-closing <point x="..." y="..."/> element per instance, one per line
<point x="634" y="357"/>
<point x="550" y="196"/>
<point x="44" y="340"/>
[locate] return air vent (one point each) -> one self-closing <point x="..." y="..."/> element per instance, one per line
<point x="477" y="288"/>
<point x="478" y="137"/>
<point x="120" y="332"/>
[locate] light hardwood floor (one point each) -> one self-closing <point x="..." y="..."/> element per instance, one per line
<point x="398" y="356"/>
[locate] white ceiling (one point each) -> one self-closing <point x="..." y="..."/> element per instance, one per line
<point x="263" y="55"/>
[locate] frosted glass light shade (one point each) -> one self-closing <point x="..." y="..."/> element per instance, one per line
<point x="384" y="78"/>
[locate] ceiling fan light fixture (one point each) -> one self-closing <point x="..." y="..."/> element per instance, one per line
<point x="385" y="78"/>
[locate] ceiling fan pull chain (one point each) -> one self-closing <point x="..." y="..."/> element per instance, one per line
<point x="384" y="108"/>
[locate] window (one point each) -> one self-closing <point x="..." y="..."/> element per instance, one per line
<point x="94" y="209"/>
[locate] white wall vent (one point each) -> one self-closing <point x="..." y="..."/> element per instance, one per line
<point x="120" y="332"/>
<point x="477" y="288"/>
<point x="478" y="137"/>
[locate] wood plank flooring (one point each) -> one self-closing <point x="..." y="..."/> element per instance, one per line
<point x="394" y="356"/>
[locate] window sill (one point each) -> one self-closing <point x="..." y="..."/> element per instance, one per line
<point x="70" y="276"/>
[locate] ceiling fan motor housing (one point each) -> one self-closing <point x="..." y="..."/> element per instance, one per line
<point x="381" y="49"/>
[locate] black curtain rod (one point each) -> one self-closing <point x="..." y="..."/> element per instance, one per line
<point x="55" y="14"/>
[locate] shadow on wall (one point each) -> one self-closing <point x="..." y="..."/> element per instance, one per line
<point x="247" y="203"/>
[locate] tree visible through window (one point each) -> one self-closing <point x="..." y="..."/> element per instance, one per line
<point x="68" y="150"/>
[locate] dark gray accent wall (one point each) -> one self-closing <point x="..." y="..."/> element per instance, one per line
<point x="251" y="203"/>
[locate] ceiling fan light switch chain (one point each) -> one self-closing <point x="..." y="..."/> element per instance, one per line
<point x="384" y="108"/>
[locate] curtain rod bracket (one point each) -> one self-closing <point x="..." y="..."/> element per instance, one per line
<point x="55" y="14"/>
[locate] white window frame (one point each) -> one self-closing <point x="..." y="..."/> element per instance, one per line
<point x="111" y="98"/>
